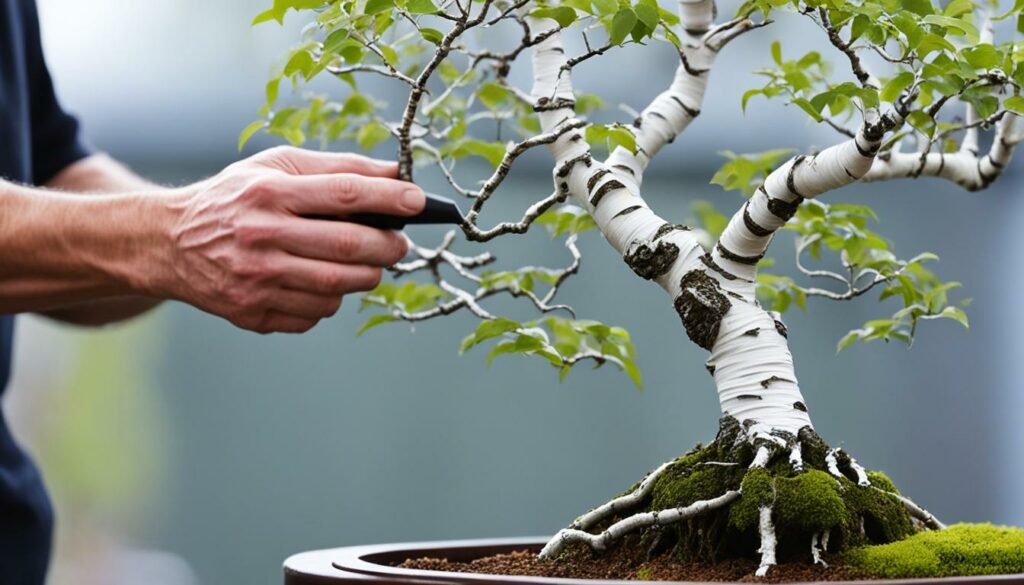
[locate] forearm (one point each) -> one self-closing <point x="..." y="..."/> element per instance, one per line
<point x="61" y="249"/>
<point x="102" y="174"/>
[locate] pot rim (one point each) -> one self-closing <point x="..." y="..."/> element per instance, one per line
<point x="376" y="562"/>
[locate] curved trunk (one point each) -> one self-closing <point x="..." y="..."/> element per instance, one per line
<point x="750" y="358"/>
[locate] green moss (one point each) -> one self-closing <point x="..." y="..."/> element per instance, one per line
<point x="882" y="481"/>
<point x="758" y="490"/>
<point x="682" y="486"/>
<point x="963" y="549"/>
<point x="884" y="517"/>
<point x="810" y="501"/>
<point x="643" y="573"/>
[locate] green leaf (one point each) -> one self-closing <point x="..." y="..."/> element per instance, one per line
<point x="777" y="52"/>
<point x="563" y="15"/>
<point x="377" y="6"/>
<point x="375" y="321"/>
<point x="892" y="88"/>
<point x="648" y="14"/>
<point x="493" y="95"/>
<point x="372" y="134"/>
<point x="1014" y="104"/>
<point x="249" y="131"/>
<point x="808" y="108"/>
<point x="489" y="329"/>
<point x="982" y="56"/>
<point x="956" y="314"/>
<point x="421" y="7"/>
<point x="432" y="35"/>
<point x="622" y="25"/>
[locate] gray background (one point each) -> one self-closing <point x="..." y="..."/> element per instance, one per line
<point x="273" y="445"/>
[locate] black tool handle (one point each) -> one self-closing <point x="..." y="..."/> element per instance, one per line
<point x="437" y="210"/>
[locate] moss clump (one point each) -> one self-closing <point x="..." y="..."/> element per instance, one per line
<point x="963" y="549"/>
<point x="810" y="501"/>
<point x="882" y="482"/>
<point x="682" y="486"/>
<point x="873" y="516"/>
<point x="758" y="490"/>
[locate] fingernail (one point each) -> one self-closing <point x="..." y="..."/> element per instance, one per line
<point x="413" y="199"/>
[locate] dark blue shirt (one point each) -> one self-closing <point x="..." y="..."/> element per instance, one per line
<point x="37" y="140"/>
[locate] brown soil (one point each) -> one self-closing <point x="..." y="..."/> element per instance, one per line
<point x="628" y="567"/>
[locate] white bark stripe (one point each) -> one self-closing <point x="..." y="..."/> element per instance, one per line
<point x="746" y="364"/>
<point x="963" y="167"/>
<point x="750" y="230"/>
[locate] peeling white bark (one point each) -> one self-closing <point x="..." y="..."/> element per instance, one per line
<point x="760" y="458"/>
<point x="768" y="540"/>
<point x="833" y="463"/>
<point x="633" y="523"/>
<point x="816" y="550"/>
<point x="862" y="476"/>
<point x="796" y="457"/>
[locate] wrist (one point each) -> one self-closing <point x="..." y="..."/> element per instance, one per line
<point x="150" y="268"/>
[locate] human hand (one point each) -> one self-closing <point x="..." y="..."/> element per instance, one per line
<point x="244" y="247"/>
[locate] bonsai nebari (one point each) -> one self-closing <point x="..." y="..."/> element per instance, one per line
<point x="913" y="87"/>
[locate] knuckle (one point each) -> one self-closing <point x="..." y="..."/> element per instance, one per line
<point x="330" y="282"/>
<point x="348" y="243"/>
<point x="258" y="191"/>
<point x="399" y="248"/>
<point x="251" y="233"/>
<point x="345" y="188"/>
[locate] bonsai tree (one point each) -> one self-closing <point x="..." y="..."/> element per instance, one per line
<point x="913" y="88"/>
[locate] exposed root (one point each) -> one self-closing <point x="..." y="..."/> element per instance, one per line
<point x="749" y="489"/>
<point x="768" y="540"/>
<point x="862" y="476"/>
<point x="833" y="463"/>
<point x="918" y="512"/>
<point x="621" y="503"/>
<point x="633" y="523"/>
<point x="761" y="458"/>
<point x="816" y="550"/>
<point x="796" y="457"/>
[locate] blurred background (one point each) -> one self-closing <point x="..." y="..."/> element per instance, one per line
<point x="180" y="450"/>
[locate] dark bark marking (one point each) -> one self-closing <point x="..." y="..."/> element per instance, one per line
<point x="595" y="178"/>
<point x="710" y="367"/>
<point x="768" y="381"/>
<point x="650" y="262"/>
<point x="752" y="225"/>
<point x="781" y="328"/>
<point x="800" y="406"/>
<point x="625" y="168"/>
<point x="627" y="210"/>
<point x="604" y="189"/>
<point x="701" y="306"/>
<point x="750" y="397"/>
<point x="791" y="177"/>
<point x="668" y="228"/>
<point x="690" y="111"/>
<point x="734" y="257"/>
<point x="566" y="168"/>
<point x="710" y="263"/>
<point x="753" y="332"/>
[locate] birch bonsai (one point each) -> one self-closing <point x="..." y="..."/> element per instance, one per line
<point x="914" y="89"/>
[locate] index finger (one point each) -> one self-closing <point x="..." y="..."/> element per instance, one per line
<point x="345" y="194"/>
<point x="299" y="161"/>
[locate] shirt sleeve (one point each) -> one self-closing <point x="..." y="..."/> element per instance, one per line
<point x="56" y="139"/>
